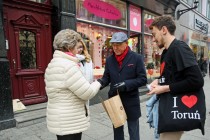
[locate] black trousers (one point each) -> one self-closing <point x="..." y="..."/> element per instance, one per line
<point x="133" y="130"/>
<point x="77" y="136"/>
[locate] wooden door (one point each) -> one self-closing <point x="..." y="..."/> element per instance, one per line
<point x="28" y="34"/>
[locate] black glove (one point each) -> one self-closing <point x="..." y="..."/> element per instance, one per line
<point x="101" y="82"/>
<point x="120" y="86"/>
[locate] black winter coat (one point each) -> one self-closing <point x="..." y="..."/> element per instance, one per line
<point x="133" y="73"/>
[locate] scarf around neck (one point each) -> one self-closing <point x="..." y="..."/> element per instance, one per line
<point x="121" y="57"/>
<point x="71" y="54"/>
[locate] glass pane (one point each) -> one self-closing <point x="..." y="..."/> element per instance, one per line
<point x="111" y="12"/>
<point x="97" y="39"/>
<point x="27" y="45"/>
<point x="132" y="43"/>
<point x="148" y="19"/>
<point x="152" y="57"/>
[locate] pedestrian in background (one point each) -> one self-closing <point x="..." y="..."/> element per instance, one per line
<point x="203" y="64"/>
<point x="67" y="89"/>
<point x="125" y="71"/>
<point x="178" y="63"/>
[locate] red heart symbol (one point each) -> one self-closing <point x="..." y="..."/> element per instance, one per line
<point x="162" y="66"/>
<point x="189" y="101"/>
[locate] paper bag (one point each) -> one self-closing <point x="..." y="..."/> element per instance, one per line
<point x="115" y="111"/>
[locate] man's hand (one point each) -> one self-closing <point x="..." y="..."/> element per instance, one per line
<point x="155" y="82"/>
<point x="157" y="89"/>
<point x="120" y="86"/>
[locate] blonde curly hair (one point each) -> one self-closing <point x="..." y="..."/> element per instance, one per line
<point x="66" y="40"/>
<point x="85" y="52"/>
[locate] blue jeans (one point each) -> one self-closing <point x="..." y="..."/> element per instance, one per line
<point x="133" y="130"/>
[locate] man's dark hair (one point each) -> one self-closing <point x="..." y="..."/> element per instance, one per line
<point x="166" y="21"/>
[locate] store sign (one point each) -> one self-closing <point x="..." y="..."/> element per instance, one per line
<point x="102" y="9"/>
<point x="201" y="25"/>
<point x="135" y="18"/>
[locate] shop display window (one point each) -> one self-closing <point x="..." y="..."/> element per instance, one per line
<point x="199" y="46"/>
<point x="97" y="40"/>
<point x="111" y="12"/>
<point x="152" y="55"/>
<point x="132" y="43"/>
<point x="148" y="19"/>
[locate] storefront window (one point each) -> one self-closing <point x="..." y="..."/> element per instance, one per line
<point x="133" y="44"/>
<point x="152" y="56"/>
<point x="151" y="51"/>
<point x="148" y="19"/>
<point x="97" y="39"/>
<point x="198" y="44"/>
<point x="111" y="12"/>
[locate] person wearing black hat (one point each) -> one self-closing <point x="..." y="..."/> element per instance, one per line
<point x="125" y="71"/>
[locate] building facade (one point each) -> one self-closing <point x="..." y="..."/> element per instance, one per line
<point x="29" y="27"/>
<point x="193" y="28"/>
<point x="96" y="21"/>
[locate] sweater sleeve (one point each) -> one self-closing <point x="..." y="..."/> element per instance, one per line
<point x="192" y="81"/>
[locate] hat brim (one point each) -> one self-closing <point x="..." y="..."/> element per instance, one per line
<point x="117" y="41"/>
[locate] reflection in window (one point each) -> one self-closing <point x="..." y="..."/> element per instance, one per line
<point x="152" y="56"/>
<point x="27" y="49"/>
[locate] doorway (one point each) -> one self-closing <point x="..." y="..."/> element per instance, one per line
<point x="29" y="48"/>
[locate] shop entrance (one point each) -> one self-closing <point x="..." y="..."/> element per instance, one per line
<point x="29" y="47"/>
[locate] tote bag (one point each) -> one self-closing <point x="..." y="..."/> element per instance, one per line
<point x="115" y="111"/>
<point x="182" y="112"/>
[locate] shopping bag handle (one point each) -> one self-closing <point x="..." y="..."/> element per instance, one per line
<point x="101" y="99"/>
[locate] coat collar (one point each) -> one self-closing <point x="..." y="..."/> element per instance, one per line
<point x="125" y="61"/>
<point x="61" y="54"/>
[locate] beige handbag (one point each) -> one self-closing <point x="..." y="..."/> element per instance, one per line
<point x="115" y="110"/>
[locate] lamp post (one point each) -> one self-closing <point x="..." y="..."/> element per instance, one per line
<point x="181" y="12"/>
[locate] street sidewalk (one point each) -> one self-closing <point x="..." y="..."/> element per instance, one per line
<point x="101" y="127"/>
